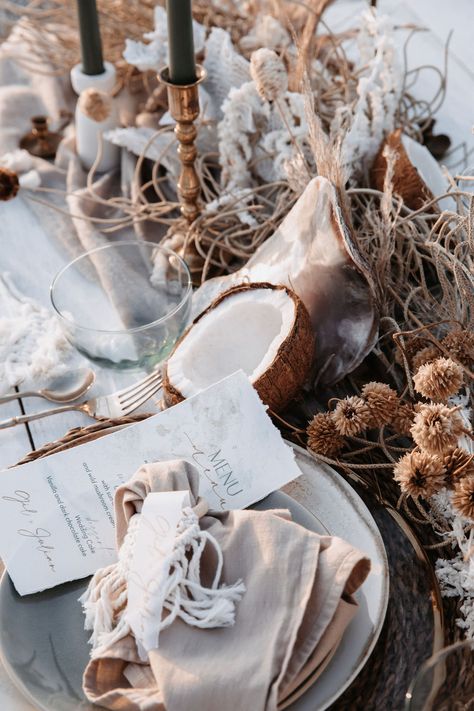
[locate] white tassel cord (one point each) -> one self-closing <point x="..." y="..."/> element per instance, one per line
<point x="180" y="591"/>
<point x="105" y="599"/>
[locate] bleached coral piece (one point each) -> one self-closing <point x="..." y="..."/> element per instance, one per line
<point x="154" y="54"/>
<point x="243" y="110"/>
<point x="20" y="161"/>
<point x="226" y="68"/>
<point x="30" y="180"/>
<point x="145" y="141"/>
<point x="378" y="93"/>
<point x="266" y="32"/>
<point x="254" y="136"/>
<point x="239" y="200"/>
<point x="456" y="575"/>
<point x="160" y="147"/>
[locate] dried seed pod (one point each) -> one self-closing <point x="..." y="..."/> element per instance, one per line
<point x="9" y="184"/>
<point x="269" y="74"/>
<point x="402" y="420"/>
<point x="420" y="474"/>
<point x="461" y="346"/>
<point x="425" y="355"/>
<point x="436" y="428"/>
<point x="439" y="379"/>
<point x="323" y="436"/>
<point x="382" y="401"/>
<point x="463" y="497"/>
<point x="352" y="416"/>
<point x="458" y="464"/>
<point x="95" y="104"/>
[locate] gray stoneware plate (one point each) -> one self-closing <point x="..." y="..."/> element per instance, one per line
<point x="44" y="646"/>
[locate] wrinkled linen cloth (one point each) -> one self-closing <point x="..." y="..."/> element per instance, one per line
<point x="73" y="221"/>
<point x="297" y="603"/>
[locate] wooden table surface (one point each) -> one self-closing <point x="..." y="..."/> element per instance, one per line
<point x="32" y="259"/>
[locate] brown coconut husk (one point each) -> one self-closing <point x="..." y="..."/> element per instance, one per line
<point x="407" y="182"/>
<point x="287" y="373"/>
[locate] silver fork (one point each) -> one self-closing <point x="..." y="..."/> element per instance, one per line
<point x="118" y="404"/>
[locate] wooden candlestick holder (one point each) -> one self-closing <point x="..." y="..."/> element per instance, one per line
<point x="183" y="101"/>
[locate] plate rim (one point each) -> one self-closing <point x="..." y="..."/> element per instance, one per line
<point x="350" y="492"/>
<point x="306" y="684"/>
<point x="23" y="688"/>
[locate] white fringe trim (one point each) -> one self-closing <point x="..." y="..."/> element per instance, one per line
<point x="180" y="592"/>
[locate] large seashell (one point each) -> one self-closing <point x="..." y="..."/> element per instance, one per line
<point x="314" y="253"/>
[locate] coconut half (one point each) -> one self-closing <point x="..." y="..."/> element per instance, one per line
<point x="263" y="329"/>
<point x="417" y="175"/>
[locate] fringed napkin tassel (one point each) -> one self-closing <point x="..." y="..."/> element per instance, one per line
<point x="105" y="599"/>
<point x="180" y="591"/>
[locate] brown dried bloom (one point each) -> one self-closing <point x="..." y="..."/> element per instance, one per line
<point x="439" y="379"/>
<point x="382" y="401"/>
<point x="269" y="74"/>
<point x="351" y="416"/>
<point x="458" y="464"/>
<point x="9" y="184"/>
<point x="323" y="437"/>
<point x="436" y="427"/>
<point x="402" y="420"/>
<point x="411" y="347"/>
<point x="426" y="355"/>
<point x="420" y="474"/>
<point x="463" y="497"/>
<point x="95" y="104"/>
<point x="461" y="346"/>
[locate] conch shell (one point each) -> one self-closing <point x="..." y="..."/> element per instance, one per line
<point x="314" y="253"/>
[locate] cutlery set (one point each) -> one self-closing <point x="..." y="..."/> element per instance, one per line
<point x="69" y="388"/>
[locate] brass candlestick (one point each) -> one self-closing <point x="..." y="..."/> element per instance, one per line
<point x="183" y="101"/>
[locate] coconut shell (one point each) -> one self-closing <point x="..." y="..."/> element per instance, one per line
<point x="315" y="253"/>
<point x="286" y="374"/>
<point x="407" y="182"/>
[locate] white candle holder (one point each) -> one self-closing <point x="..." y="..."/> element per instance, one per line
<point x="89" y="133"/>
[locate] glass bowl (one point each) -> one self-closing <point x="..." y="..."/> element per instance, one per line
<point x="124" y="305"/>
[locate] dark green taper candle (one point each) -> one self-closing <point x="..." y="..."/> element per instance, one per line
<point x="91" y="45"/>
<point x="182" y="63"/>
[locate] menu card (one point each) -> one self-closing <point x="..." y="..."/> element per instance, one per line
<point x="57" y="515"/>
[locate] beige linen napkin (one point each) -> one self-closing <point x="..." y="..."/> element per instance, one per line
<point x="294" y="611"/>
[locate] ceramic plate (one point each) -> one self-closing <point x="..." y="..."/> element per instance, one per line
<point x="44" y="645"/>
<point x="340" y="509"/>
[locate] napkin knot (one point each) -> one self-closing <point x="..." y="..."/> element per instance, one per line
<point x="179" y="590"/>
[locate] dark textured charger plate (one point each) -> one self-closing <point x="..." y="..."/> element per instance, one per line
<point x="414" y="625"/>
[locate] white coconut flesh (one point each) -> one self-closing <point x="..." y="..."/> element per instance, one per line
<point x="244" y="332"/>
<point x="428" y="170"/>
